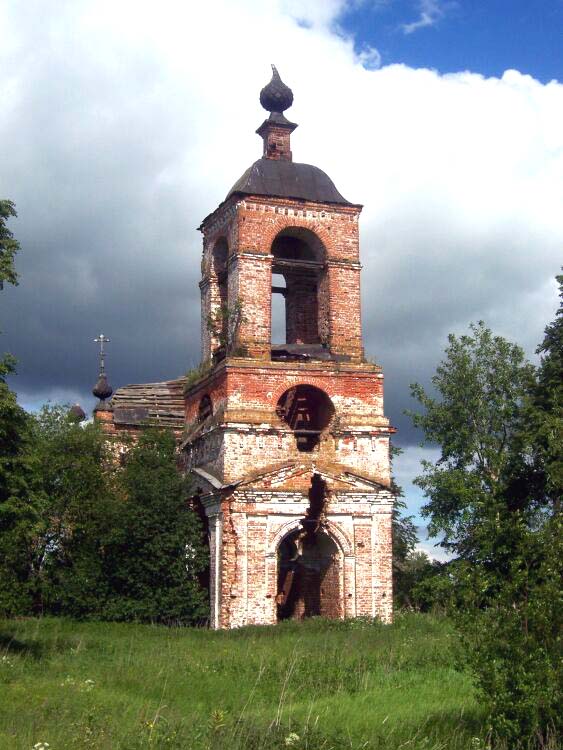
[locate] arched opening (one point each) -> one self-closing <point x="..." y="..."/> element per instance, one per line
<point x="219" y="259"/>
<point x="308" y="411"/>
<point x="205" y="408"/>
<point x="309" y="576"/>
<point x="299" y="257"/>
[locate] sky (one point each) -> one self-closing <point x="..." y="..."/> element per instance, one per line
<point x="123" y="124"/>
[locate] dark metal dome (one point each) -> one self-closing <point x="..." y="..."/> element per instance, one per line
<point x="77" y="413"/>
<point x="286" y="179"/>
<point x="276" y="96"/>
<point x="102" y="389"/>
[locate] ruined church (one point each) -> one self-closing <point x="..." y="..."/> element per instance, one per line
<point x="286" y="440"/>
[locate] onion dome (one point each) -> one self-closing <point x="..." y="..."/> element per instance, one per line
<point x="76" y="413"/>
<point x="276" y="96"/>
<point x="102" y="389"/>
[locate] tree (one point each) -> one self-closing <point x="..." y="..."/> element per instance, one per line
<point x="492" y="494"/>
<point x="481" y="385"/>
<point x="156" y="552"/>
<point x="12" y="417"/>
<point x="75" y="508"/>
<point x="8" y="245"/>
<point x="13" y="438"/>
<point x="545" y="412"/>
<point x="47" y="526"/>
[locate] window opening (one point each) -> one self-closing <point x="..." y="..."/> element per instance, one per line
<point x="299" y="259"/>
<point x="205" y="409"/>
<point x="308" y="411"/>
<point x="278" y="308"/>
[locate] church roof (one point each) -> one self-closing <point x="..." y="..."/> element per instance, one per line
<point x="286" y="179"/>
<point x="161" y="404"/>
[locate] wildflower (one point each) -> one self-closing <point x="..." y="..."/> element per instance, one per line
<point x="292" y="739"/>
<point x="41" y="746"/>
<point x="88" y="684"/>
<point x="7" y="662"/>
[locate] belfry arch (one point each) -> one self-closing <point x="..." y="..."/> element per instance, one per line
<point x="299" y="259"/>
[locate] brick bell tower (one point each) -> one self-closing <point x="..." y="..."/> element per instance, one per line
<point x="286" y="440"/>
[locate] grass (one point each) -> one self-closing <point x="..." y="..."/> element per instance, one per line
<point x="315" y="685"/>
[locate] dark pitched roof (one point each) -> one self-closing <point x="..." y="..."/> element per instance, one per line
<point x="157" y="403"/>
<point x="286" y="179"/>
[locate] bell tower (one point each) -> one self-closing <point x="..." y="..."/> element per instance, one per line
<point x="286" y="440"/>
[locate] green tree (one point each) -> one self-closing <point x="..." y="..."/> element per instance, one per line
<point x="48" y="525"/>
<point x="545" y="411"/>
<point x="481" y="385"/>
<point x="492" y="495"/>
<point x="12" y="416"/>
<point x="74" y="511"/>
<point x="14" y="433"/>
<point x="14" y="476"/>
<point x="9" y="246"/>
<point x="156" y="552"/>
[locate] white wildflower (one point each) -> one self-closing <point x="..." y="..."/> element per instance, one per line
<point x="292" y="739"/>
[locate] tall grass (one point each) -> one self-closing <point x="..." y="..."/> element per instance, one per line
<point x="318" y="685"/>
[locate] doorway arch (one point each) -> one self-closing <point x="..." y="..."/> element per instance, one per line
<point x="309" y="576"/>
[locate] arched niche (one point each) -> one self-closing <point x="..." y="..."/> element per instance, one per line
<point x="298" y="270"/>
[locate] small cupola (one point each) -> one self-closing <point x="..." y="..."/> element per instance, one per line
<point x="276" y="131"/>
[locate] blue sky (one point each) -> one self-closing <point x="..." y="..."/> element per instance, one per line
<point x="487" y="37"/>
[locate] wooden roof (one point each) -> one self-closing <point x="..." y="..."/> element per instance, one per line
<point x="154" y="403"/>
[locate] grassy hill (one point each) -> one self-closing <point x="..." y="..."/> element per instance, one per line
<point x="314" y="685"/>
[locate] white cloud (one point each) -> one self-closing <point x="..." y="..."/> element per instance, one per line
<point x="369" y="57"/>
<point x="430" y="12"/>
<point x="124" y="124"/>
<point x="433" y="551"/>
